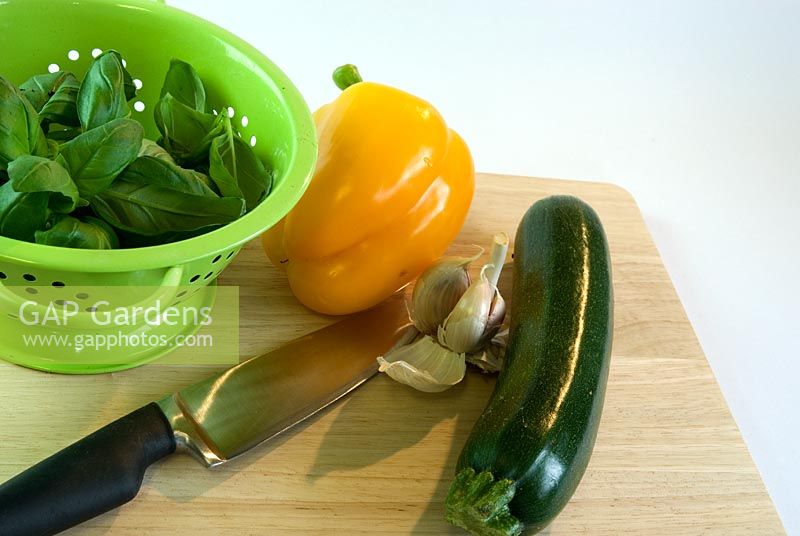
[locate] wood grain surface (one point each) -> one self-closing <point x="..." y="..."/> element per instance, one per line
<point x="669" y="458"/>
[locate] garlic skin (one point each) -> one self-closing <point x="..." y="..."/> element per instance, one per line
<point x="476" y="317"/>
<point x="491" y="358"/>
<point x="424" y="365"/>
<point x="438" y="290"/>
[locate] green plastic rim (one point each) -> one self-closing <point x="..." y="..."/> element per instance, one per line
<point x="293" y="183"/>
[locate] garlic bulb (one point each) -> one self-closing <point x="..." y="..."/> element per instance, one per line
<point x="438" y="290"/>
<point x="455" y="321"/>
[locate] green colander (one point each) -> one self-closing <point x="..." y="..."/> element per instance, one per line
<point x="37" y="35"/>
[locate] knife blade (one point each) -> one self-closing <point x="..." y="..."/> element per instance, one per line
<point x="215" y="420"/>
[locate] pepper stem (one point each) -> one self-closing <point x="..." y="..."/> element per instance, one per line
<point x="346" y="75"/>
<point x="498" y="258"/>
<point x="479" y="504"/>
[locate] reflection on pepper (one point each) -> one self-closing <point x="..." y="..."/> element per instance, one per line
<point x="391" y="190"/>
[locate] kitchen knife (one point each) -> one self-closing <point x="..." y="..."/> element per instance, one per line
<point x="214" y="420"/>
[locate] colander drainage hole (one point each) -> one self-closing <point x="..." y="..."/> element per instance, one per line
<point x="216" y="259"/>
<point x="81" y="295"/>
<point x="3" y="275"/>
<point x="209" y="274"/>
<point x="231" y="254"/>
<point x="91" y="309"/>
<point x="12" y="315"/>
<point x="181" y="294"/>
<point x="31" y="290"/>
<point x="29" y="277"/>
<point x="73" y="55"/>
<point x="96" y="52"/>
<point x="58" y="284"/>
<point x="53" y="68"/>
<point x="194" y="278"/>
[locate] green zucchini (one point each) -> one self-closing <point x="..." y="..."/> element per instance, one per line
<point x="529" y="449"/>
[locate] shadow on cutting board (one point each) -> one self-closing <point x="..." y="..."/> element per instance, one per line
<point x="476" y="388"/>
<point x="386" y="418"/>
<point x="183" y="479"/>
<point x="377" y="422"/>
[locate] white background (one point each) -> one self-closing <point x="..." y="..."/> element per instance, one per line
<point x="694" y="107"/>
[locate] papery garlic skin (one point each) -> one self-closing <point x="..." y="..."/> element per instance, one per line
<point x="424" y="365"/>
<point x="490" y="359"/>
<point x="437" y="291"/>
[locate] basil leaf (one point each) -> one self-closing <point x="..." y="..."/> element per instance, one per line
<point x="20" y="133"/>
<point x="127" y="83"/>
<point x="222" y="147"/>
<point x="186" y="133"/>
<point x="39" y="88"/>
<point x="205" y="179"/>
<point x="53" y="149"/>
<point x="101" y="97"/>
<point x="95" y="158"/>
<point x="54" y="97"/>
<point x="156" y="172"/>
<point x="29" y="174"/>
<point x="62" y="107"/>
<point x="85" y="233"/>
<point x="151" y="210"/>
<point x="61" y="134"/>
<point x="183" y="83"/>
<point x="133" y="240"/>
<point x="151" y="148"/>
<point x="236" y="170"/>
<point x="22" y="213"/>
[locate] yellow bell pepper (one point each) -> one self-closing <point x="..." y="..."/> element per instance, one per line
<point x="391" y="190"/>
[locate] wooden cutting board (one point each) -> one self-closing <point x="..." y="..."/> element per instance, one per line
<point x="669" y="458"/>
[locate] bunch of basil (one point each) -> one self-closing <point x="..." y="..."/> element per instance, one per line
<point x="76" y="171"/>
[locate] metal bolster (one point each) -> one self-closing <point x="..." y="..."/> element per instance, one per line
<point x="189" y="437"/>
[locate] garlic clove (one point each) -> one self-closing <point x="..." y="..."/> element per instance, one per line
<point x="465" y="328"/>
<point x="438" y="290"/>
<point x="497" y="315"/>
<point x="479" y="313"/>
<point x="424" y="365"/>
<point x="405" y="336"/>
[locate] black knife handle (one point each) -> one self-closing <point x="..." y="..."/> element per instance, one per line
<point x="98" y="473"/>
